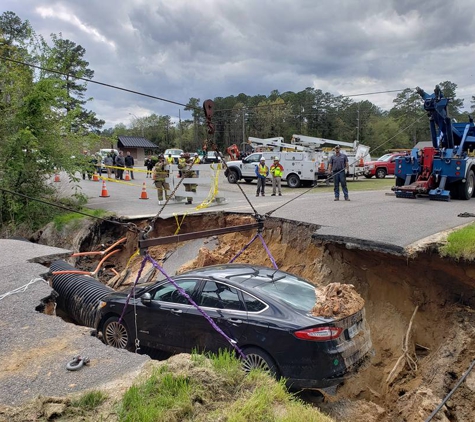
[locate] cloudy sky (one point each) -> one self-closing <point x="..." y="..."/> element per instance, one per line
<point x="178" y="49"/>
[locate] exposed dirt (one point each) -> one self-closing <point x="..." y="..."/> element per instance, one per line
<point x="406" y="379"/>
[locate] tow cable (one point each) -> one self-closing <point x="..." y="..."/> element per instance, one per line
<point x="77" y="363"/>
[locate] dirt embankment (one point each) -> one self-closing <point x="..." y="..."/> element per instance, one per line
<point x="420" y="310"/>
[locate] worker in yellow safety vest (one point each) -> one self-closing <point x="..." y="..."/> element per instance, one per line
<point x="181" y="163"/>
<point x="170" y="159"/>
<point x="262" y="171"/>
<point x="276" y="170"/>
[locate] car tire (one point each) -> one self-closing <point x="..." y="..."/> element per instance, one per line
<point x="116" y="334"/>
<point x="248" y="180"/>
<point x="259" y="359"/>
<point x="293" y="181"/>
<point x="233" y="177"/>
<point x="380" y="173"/>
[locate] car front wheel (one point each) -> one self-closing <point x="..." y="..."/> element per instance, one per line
<point x="259" y="359"/>
<point x="380" y="173"/>
<point x="116" y="334"/>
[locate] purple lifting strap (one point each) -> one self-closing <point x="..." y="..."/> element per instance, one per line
<point x="265" y="247"/>
<point x="187" y="296"/>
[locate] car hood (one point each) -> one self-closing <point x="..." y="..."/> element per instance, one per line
<point x="369" y="163"/>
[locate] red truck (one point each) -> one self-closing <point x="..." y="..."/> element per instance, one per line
<point x="382" y="166"/>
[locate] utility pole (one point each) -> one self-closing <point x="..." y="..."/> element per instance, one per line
<point x="358" y="125"/>
<point x="243" y="127"/>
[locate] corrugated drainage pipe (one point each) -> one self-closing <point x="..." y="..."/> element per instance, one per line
<point x="79" y="295"/>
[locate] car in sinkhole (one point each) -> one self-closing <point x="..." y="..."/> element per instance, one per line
<point x="266" y="312"/>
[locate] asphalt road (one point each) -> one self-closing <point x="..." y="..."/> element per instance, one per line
<point x="372" y="218"/>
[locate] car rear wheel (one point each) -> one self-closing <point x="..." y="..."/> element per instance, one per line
<point x="116" y="334"/>
<point x="233" y="176"/>
<point x="380" y="173"/>
<point x="259" y="359"/>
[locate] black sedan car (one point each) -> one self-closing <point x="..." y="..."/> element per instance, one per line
<point x="266" y="311"/>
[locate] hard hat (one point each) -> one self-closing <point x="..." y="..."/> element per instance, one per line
<point x="263" y="159"/>
<point x="196" y="154"/>
<point x="337" y="147"/>
<point x="276" y="158"/>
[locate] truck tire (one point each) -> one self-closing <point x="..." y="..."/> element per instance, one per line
<point x="233" y="177"/>
<point x="248" y="180"/>
<point x="381" y="173"/>
<point x="466" y="189"/>
<point x="293" y="181"/>
<point x="400" y="181"/>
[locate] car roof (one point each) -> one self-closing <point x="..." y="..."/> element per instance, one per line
<point x="242" y="274"/>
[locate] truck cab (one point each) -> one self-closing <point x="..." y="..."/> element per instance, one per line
<point x="382" y="166"/>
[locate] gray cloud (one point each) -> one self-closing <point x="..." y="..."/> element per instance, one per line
<point x="182" y="49"/>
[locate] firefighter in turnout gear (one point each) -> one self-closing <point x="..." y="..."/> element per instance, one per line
<point x="276" y="170"/>
<point x="187" y="172"/>
<point x="159" y="174"/>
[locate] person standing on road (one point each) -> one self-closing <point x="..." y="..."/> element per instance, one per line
<point x="160" y="174"/>
<point x="188" y="172"/>
<point x="170" y="159"/>
<point x="276" y="170"/>
<point x="129" y="163"/>
<point x="120" y="162"/>
<point x="262" y="171"/>
<point x="108" y="163"/>
<point x="337" y="167"/>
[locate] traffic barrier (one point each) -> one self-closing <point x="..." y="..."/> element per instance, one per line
<point x="144" y="195"/>
<point x="95" y="177"/>
<point x="127" y="176"/>
<point x="104" y="193"/>
<point x="57" y="178"/>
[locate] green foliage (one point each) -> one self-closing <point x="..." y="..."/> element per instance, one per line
<point x="90" y="400"/>
<point x="163" y="397"/>
<point x="460" y="244"/>
<point x="66" y="218"/>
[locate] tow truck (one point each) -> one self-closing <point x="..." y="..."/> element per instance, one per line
<point x="304" y="160"/>
<point x="446" y="169"/>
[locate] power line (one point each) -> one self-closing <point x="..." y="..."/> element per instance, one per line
<point x="96" y="82"/>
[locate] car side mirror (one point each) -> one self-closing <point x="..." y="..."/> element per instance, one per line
<point x="146" y="298"/>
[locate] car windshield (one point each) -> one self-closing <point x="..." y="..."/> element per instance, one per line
<point x="296" y="292"/>
<point x="173" y="151"/>
<point x="385" y="157"/>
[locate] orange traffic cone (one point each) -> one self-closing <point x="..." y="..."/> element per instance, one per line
<point x="127" y="176"/>
<point x="56" y="178"/>
<point x="322" y="167"/>
<point x="95" y="177"/>
<point x="361" y="162"/>
<point x="104" y="193"/>
<point x="144" y="195"/>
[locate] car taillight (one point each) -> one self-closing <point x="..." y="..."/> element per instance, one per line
<point x="319" y="333"/>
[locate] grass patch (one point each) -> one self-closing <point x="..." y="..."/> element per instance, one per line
<point x="163" y="397"/>
<point x="460" y="244"/>
<point x="211" y="388"/>
<point x="69" y="219"/>
<point x="90" y="400"/>
<point x="360" y="184"/>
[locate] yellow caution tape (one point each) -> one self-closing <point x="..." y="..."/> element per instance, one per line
<point x="136" y="253"/>
<point x="178" y="223"/>
<point x="213" y="192"/>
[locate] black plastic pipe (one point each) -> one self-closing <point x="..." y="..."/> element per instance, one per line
<point x="79" y="294"/>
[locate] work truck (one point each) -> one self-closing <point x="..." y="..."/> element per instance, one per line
<point x="304" y="159"/>
<point x="446" y="169"/>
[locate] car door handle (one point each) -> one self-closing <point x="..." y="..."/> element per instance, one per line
<point x="176" y="311"/>
<point x="235" y="321"/>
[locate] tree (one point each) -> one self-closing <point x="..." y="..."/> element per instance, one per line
<point x="66" y="60"/>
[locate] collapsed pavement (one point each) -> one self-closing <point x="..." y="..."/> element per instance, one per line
<point x="436" y="292"/>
